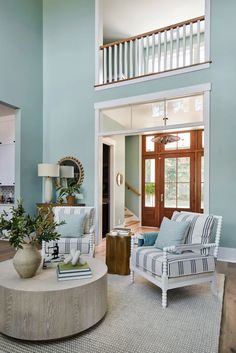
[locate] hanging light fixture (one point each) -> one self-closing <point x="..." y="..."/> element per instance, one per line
<point x="164" y="139"/>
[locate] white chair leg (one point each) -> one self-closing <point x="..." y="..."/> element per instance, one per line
<point x="131" y="276"/>
<point x="164" y="298"/>
<point x="214" y="289"/>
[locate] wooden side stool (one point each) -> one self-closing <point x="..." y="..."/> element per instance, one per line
<point x="118" y="253"/>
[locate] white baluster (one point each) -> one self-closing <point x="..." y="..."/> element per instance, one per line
<point x="177" y="47"/>
<point x="165" y="50"/>
<point x="126" y="60"/>
<point x="110" y="64"/>
<point x="131" y="60"/>
<point x="153" y="53"/>
<point x="191" y="43"/>
<point x="120" y="61"/>
<point x="142" y="55"/>
<point x="159" y="52"/>
<point x="171" y="48"/>
<point x="136" y="43"/>
<point x="115" y="63"/>
<point x="147" y="55"/>
<point x="104" y="65"/>
<point x="198" y="42"/>
<point x="184" y="45"/>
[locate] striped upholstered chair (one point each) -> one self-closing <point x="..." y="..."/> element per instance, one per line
<point x="181" y="265"/>
<point x="84" y="243"/>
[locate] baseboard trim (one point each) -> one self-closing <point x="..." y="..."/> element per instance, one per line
<point x="227" y="254"/>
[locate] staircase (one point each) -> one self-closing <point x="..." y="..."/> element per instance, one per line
<point x="131" y="221"/>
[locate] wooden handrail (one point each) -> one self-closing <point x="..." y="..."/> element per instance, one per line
<point x="156" y="31"/>
<point x="131" y="188"/>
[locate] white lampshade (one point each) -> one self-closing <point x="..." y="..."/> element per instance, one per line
<point x="66" y="171"/>
<point x="48" y="170"/>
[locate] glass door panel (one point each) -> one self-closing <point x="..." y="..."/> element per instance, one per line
<point x="177" y="182"/>
<point x="150" y="146"/>
<point x="150" y="185"/>
<point x="170" y="199"/>
<point x="183" y="192"/>
<point x="182" y="144"/>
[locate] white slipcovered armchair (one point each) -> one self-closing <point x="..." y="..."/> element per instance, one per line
<point x="181" y="265"/>
<point x="84" y="243"/>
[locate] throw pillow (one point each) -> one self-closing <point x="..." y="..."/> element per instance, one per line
<point x="171" y="233"/>
<point x="74" y="226"/>
<point x="149" y="238"/>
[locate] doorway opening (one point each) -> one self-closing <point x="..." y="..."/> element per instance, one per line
<point x="106" y="190"/>
<point x="180" y="171"/>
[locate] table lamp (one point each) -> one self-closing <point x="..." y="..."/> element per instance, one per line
<point x="66" y="172"/>
<point x="48" y="171"/>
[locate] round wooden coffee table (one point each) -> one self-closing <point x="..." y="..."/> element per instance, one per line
<point x="43" y="308"/>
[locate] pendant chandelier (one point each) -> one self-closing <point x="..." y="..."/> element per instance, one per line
<point x="164" y="139"/>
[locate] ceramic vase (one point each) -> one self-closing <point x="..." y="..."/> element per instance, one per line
<point x="27" y="260"/>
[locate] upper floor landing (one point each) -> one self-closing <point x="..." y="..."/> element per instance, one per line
<point x="142" y="40"/>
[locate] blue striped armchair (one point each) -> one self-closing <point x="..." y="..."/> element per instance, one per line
<point x="180" y="265"/>
<point x="85" y="242"/>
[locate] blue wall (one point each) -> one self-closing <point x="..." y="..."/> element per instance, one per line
<point x="69" y="96"/>
<point x="21" y="86"/>
<point x="68" y="85"/>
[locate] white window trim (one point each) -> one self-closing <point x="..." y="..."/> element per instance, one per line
<point x="180" y="92"/>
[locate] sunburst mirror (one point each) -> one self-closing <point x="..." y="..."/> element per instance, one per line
<point x="78" y="168"/>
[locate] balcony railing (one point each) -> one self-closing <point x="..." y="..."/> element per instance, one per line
<point x="177" y="46"/>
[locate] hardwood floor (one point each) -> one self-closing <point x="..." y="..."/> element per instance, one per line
<point x="228" y="323"/>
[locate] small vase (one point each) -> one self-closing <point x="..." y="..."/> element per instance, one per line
<point x="70" y="200"/>
<point x="27" y="260"/>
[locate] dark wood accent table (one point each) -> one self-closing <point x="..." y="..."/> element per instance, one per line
<point x="118" y="253"/>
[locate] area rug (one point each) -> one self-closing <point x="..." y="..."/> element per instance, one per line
<point x="136" y="323"/>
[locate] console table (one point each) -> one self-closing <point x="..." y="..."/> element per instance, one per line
<point x="43" y="308"/>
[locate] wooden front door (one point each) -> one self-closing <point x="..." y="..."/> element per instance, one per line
<point x="172" y="177"/>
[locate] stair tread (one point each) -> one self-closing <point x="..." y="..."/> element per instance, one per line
<point x="131" y="222"/>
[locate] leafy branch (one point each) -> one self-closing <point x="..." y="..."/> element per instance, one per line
<point x="23" y="228"/>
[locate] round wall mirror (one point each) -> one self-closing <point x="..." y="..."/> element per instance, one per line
<point x="78" y="168"/>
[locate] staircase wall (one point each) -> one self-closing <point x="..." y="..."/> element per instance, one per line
<point x="132" y="172"/>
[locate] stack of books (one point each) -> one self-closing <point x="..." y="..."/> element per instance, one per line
<point x="122" y="231"/>
<point x="68" y="271"/>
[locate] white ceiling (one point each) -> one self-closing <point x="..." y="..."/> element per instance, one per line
<point x="127" y="18"/>
<point x="6" y="111"/>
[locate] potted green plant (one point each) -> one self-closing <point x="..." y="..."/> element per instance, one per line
<point x="69" y="191"/>
<point x="25" y="234"/>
